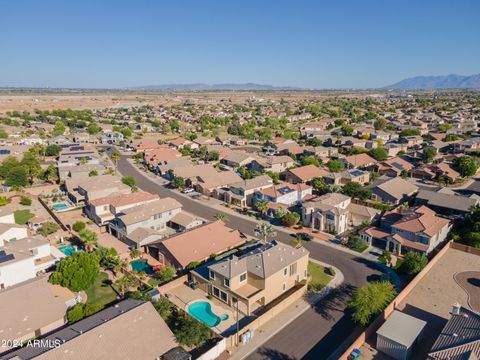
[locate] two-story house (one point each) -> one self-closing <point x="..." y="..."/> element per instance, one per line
<point x="243" y="193"/>
<point x="255" y="279"/>
<point x="284" y="193"/>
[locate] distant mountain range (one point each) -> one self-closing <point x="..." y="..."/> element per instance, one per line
<point x="439" y="82"/>
<point x="201" y="86"/>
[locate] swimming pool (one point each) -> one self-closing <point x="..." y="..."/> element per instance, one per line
<point x="60" y="206"/>
<point x="202" y="311"/>
<point x="67" y="249"/>
<point x="141" y="266"/>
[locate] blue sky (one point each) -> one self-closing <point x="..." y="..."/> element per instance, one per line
<point x="316" y="44"/>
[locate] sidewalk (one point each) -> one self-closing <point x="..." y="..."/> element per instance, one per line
<point x="267" y="331"/>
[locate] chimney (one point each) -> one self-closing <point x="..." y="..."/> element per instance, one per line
<point x="456" y="309"/>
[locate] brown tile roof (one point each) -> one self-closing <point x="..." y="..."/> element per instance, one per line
<point x="121" y="199"/>
<point x="201" y="242"/>
<point x="308" y="172"/>
<point x="421" y="219"/>
<point x="360" y="160"/>
<point x="142" y="212"/>
<point x="273" y="190"/>
<point x="410" y="244"/>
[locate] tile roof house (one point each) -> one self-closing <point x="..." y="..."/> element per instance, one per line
<point x="257" y="278"/>
<point x="103" y="210"/>
<point x="460" y="338"/>
<point x="132" y="222"/>
<point x="304" y="174"/>
<point x="242" y="193"/>
<point x="393" y="167"/>
<point x="359" y="160"/>
<point x="393" y="190"/>
<point x="446" y="204"/>
<point x="285" y="193"/>
<point x="416" y="229"/>
<point x="210" y="184"/>
<point x="272" y="163"/>
<point x="344" y="177"/>
<point x="195" y="245"/>
<point x="131" y="329"/>
<point x="156" y="157"/>
<point x="81" y="191"/>
<point x="30" y="310"/>
<point x="335" y="212"/>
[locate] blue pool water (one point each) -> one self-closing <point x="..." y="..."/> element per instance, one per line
<point x="141" y="266"/>
<point x="60" y="206"/>
<point x="67" y="249"/>
<point x="202" y="311"/>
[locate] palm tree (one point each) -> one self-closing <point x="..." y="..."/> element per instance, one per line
<point x="89" y="239"/>
<point x="124" y="283"/>
<point x="114" y="264"/>
<point x="134" y="253"/>
<point x="115" y="159"/>
<point x="298" y="242"/>
<point x="262" y="206"/>
<point x="220" y="216"/>
<point x="264" y="230"/>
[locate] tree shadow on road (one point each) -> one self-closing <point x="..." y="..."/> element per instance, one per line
<point x="336" y="301"/>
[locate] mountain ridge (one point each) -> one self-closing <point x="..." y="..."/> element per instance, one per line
<point x="451" y="81"/>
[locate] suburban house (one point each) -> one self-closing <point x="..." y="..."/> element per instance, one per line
<point x="359" y="161"/>
<point x="210" y="184"/>
<point x="195" y="245"/>
<point x="132" y="329"/>
<point x="411" y="141"/>
<point x="9" y="231"/>
<point x="393" y="167"/>
<point x="180" y="143"/>
<point x="416" y="229"/>
<point x="141" y="224"/>
<point x="191" y="172"/>
<point x="255" y="279"/>
<point x="446" y="204"/>
<point x="344" y="177"/>
<point x="21" y="260"/>
<point x="393" y="190"/>
<point x="272" y="163"/>
<point x="103" y="210"/>
<point x="156" y="157"/>
<point x="30" y="310"/>
<point x="236" y="159"/>
<point x="464" y="343"/>
<point x="285" y="193"/>
<point x="82" y="191"/>
<point x="335" y="212"/>
<point x="304" y="174"/>
<point x="167" y="167"/>
<point x="242" y="193"/>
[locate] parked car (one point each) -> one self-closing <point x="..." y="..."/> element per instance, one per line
<point x="304" y="236"/>
<point x="188" y="190"/>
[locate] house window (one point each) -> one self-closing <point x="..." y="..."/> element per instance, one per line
<point x="329" y="217"/>
<point x="243" y="277"/>
<point x="285" y="272"/>
<point x="293" y="269"/>
<point x="212" y="275"/>
<point x="222" y="295"/>
<point x="305" y="274"/>
<point x="226" y="282"/>
<point x="284" y="287"/>
<point x="216" y="291"/>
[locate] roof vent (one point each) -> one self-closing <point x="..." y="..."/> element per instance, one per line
<point x="456" y="309"/>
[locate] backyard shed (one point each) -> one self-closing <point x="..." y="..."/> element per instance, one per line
<point x="399" y="334"/>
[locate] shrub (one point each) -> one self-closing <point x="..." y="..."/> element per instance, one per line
<point x="91" y="309"/>
<point x="290" y="219"/>
<point x="75" y="313"/>
<point x="166" y="274"/>
<point x="48" y="228"/>
<point x="413" y="263"/>
<point x="78" y="226"/>
<point x="4" y="201"/>
<point x="25" y="201"/>
<point x="77" y="272"/>
<point x="330" y="271"/>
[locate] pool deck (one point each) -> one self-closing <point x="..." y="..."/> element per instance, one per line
<point x="182" y="296"/>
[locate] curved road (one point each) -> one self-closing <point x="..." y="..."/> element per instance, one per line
<point x="318" y="331"/>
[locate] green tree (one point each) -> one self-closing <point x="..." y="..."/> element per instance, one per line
<point x="371" y="300"/>
<point x="220" y="216"/>
<point x="93" y="129"/>
<point x="262" y="206"/>
<point x="466" y="165"/>
<point x="166" y="273"/>
<point x="386" y="257"/>
<point x="78" y="226"/>
<point x="129" y="181"/>
<point x="335" y="166"/>
<point x="275" y="176"/>
<point x="17" y="177"/>
<point x="124" y="284"/>
<point x="25" y="201"/>
<point x="379" y="154"/>
<point x="290" y="219"/>
<point x="380" y="124"/>
<point x="319" y="185"/>
<point x="75" y="313"/>
<point x="355" y="190"/>
<point x="88" y="239"/>
<point x="115" y="158"/>
<point x="59" y="129"/>
<point x="189" y="332"/>
<point x="93" y="173"/>
<point x="77" y="272"/>
<point x="309" y="160"/>
<point x="48" y="228"/>
<point x="53" y="150"/>
<point x="50" y="174"/>
<point x="3" y="134"/>
<point x="428" y="154"/>
<point x="410" y="132"/>
<point x="347" y="129"/>
<point x="413" y="263"/>
<point x="179" y="182"/>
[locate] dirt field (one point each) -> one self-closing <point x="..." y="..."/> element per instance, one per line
<point x="48" y="100"/>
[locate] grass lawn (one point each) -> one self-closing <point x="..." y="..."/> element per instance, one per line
<point x="360" y="248"/>
<point x="101" y="292"/>
<point x="22" y="216"/>
<point x="319" y="276"/>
